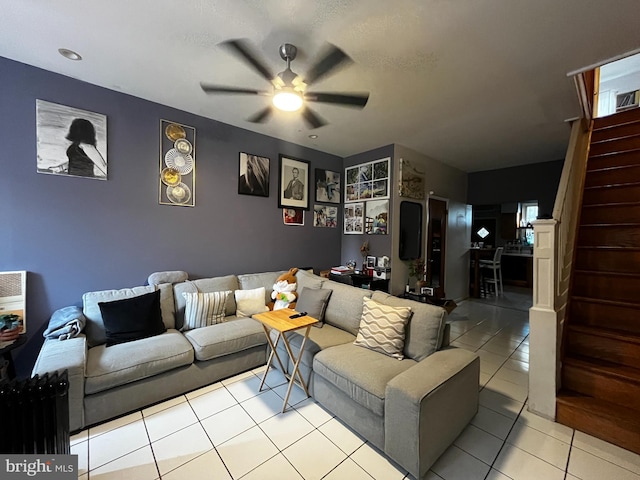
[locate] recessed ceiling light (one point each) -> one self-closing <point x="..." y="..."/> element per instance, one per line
<point x="313" y="136"/>
<point x="70" y="54"/>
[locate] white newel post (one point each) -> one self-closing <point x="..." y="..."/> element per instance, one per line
<point x="544" y="339"/>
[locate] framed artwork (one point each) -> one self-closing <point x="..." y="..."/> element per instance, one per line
<point x="253" y="178"/>
<point x="411" y="180"/>
<point x="377" y="217"/>
<point x="293" y="216"/>
<point x="327" y="186"/>
<point x="293" y="183"/>
<point x="371" y="262"/>
<point x="367" y="181"/>
<point x="70" y="141"/>
<point x="325" y="216"/>
<point x="354" y="218"/>
<point x="177" y="183"/>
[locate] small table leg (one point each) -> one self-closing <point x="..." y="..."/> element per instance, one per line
<point x="271" y="355"/>
<point x="296" y="371"/>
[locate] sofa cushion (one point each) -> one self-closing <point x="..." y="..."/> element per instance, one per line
<point x="360" y="373"/>
<point x="250" y="302"/>
<point x="203" y="309"/>
<point x="307" y="279"/>
<point x="133" y="318"/>
<point x="128" y="362"/>
<point x="249" y="281"/>
<point x="314" y="302"/>
<point x="344" y="309"/>
<point x="225" y="338"/>
<point x="425" y="329"/>
<point x="172" y="276"/>
<point x="214" y="284"/>
<point x="94" y="329"/>
<point x="382" y="328"/>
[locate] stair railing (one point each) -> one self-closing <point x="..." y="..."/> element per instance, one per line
<point x="554" y="244"/>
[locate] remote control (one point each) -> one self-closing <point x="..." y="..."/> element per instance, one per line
<point x="298" y="315"/>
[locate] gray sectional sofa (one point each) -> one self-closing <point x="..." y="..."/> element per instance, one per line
<point x="412" y="409"/>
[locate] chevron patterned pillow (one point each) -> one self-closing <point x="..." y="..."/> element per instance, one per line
<point x="382" y="328"/>
<point x="204" y="308"/>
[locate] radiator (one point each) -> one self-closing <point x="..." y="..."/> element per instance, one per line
<point x="35" y="415"/>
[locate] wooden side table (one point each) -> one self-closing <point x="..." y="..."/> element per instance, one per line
<point x="279" y="321"/>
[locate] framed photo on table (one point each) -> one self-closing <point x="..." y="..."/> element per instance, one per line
<point x="293" y="183"/>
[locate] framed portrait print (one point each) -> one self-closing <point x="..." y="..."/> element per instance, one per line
<point x="354" y="218"/>
<point x="253" y="178"/>
<point x="327" y="186"/>
<point x="293" y="184"/>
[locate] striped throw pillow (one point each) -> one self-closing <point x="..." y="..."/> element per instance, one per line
<point x="382" y="328"/>
<point x="204" y="308"/>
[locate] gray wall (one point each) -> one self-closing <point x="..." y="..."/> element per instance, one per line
<point x="538" y="181"/>
<point x="75" y="235"/>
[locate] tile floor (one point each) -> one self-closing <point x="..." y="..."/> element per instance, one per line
<point x="229" y="431"/>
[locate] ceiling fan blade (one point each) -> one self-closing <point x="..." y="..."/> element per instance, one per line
<point x="358" y="100"/>
<point x="220" y="89"/>
<point x="312" y="118"/>
<point x="333" y="58"/>
<point x="262" y="116"/>
<point x="243" y="49"/>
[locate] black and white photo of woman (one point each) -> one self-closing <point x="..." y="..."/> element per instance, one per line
<point x="254" y="175"/>
<point x="84" y="158"/>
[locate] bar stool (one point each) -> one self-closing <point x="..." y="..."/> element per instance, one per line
<point x="494" y="266"/>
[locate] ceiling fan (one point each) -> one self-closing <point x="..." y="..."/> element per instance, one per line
<point x="289" y="90"/>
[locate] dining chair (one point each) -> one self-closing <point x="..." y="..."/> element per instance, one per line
<point x="495" y="267"/>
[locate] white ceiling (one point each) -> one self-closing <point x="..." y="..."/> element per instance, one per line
<point x="477" y="84"/>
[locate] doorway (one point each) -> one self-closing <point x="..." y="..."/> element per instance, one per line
<point x="436" y="245"/>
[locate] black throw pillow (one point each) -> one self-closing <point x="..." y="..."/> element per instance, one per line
<point x="132" y="318"/>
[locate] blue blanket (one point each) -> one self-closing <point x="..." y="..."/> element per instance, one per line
<point x="65" y="323"/>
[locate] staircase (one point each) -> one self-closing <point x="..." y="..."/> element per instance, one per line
<point x="601" y="351"/>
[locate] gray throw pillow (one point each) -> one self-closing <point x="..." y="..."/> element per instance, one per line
<point x="314" y="302"/>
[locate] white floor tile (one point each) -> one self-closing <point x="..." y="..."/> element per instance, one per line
<point x="607" y="451"/>
<point x="499" y="403"/>
<point x="521" y="356"/>
<point x="456" y="464"/>
<point x="376" y="464"/>
<point x="520" y="465"/>
<point x="225" y="425"/>
<point x="138" y="464"/>
<point x="508" y="389"/>
<point x="275" y="378"/>
<point x="556" y="430"/>
<point x="246" y="451"/>
<point x="163" y="405"/>
<point x="345" y="439"/>
<point x="491" y="358"/>
<point x="286" y="428"/>
<point x="245" y="388"/>
<point x="84" y="476"/>
<point x="348" y="470"/>
<point x="586" y="466"/>
<point x="263" y="406"/>
<point x="276" y="468"/>
<point x="463" y="346"/>
<point x="543" y="446"/>
<point x="484" y="379"/>
<point x="314" y="456"/>
<point x="179" y="448"/>
<point x="496" y="475"/>
<point x="205" y="467"/>
<point x="492" y="422"/>
<point x="479" y="443"/>
<point x="313" y="412"/>
<point x="116" y="443"/>
<point x="169" y="421"/>
<point x="114" y="424"/>
<point x="81" y="449"/>
<point x="513" y="376"/>
<point x="212" y="402"/>
<point x="82" y="436"/>
<point x="297" y="394"/>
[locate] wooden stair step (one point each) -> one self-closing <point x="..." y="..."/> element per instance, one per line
<point x="607" y="344"/>
<point x="604" y="313"/>
<point x="613" y="160"/>
<point x="607" y="259"/>
<point x="611" y="213"/>
<point x="615" y="145"/>
<point x="616" y="131"/>
<point x="621" y="235"/>
<point x="622" y="287"/>
<point x="614" y="383"/>
<point x="602" y="419"/>
<point x="631" y="115"/>
<point x="626" y="192"/>
<point x="612" y="176"/>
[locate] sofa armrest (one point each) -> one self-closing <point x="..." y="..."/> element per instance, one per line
<point x="428" y="406"/>
<point x="71" y="355"/>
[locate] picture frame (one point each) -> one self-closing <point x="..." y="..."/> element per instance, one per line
<point x="293" y="182"/>
<point x="177" y="166"/>
<point x="253" y="175"/>
<point x="293" y="216"/>
<point x="371" y="262"/>
<point x="377" y="217"/>
<point x="411" y="183"/>
<point x="328" y="186"/>
<point x="325" y="216"/>
<point x="368" y="181"/>
<point x="354" y="219"/>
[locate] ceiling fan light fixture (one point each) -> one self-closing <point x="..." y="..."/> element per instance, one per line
<point x="287" y="100"/>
